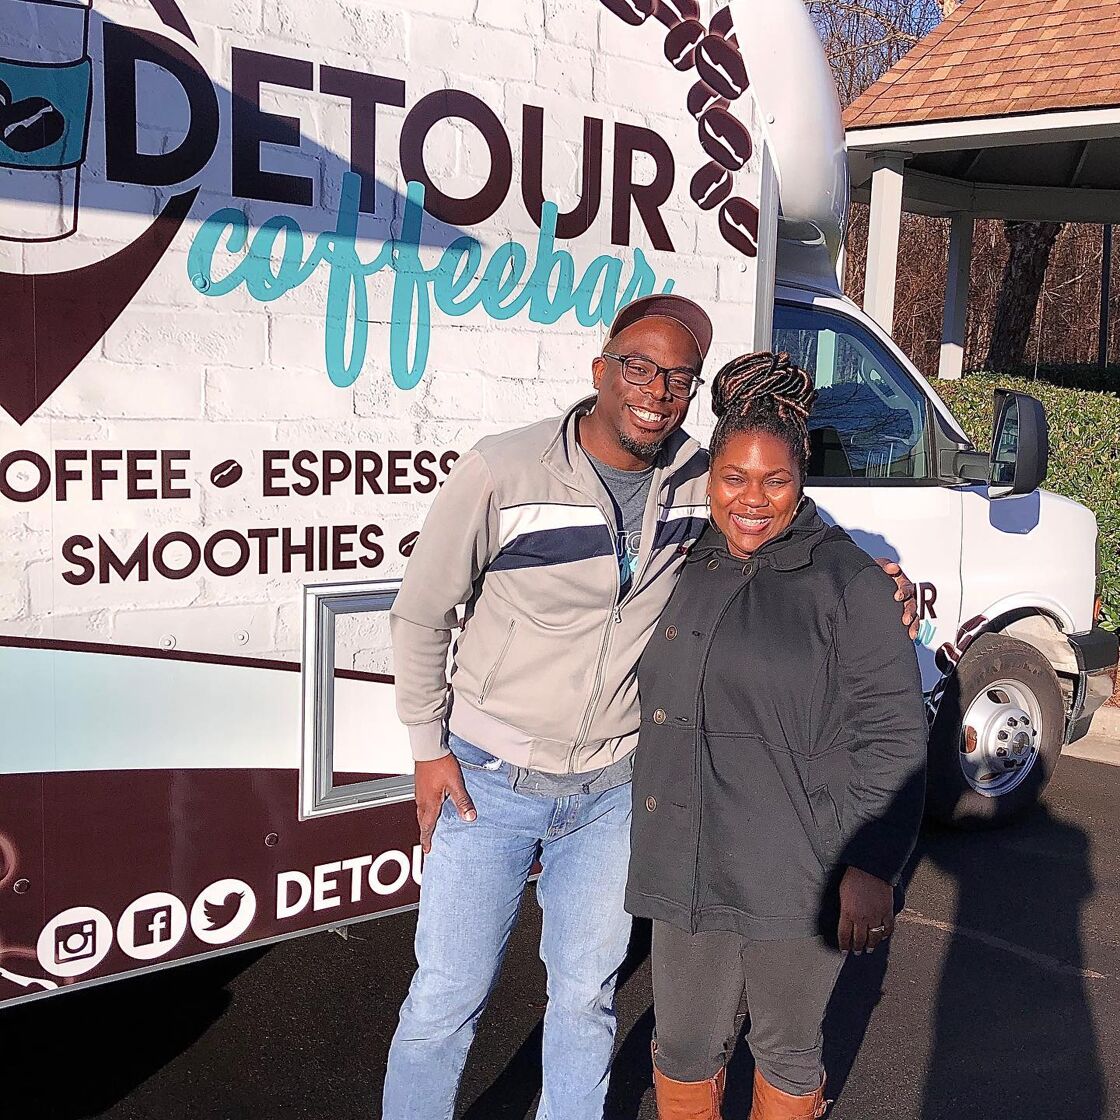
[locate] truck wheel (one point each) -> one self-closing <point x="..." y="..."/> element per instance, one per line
<point x="997" y="735"/>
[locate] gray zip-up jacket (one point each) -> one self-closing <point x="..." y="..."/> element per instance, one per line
<point x="522" y="537"/>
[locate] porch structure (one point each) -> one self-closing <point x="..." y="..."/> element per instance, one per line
<point x="1009" y="109"/>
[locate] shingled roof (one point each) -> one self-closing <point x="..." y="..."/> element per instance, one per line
<point x="1000" y="57"/>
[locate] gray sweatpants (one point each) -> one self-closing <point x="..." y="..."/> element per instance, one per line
<point x="698" y="982"/>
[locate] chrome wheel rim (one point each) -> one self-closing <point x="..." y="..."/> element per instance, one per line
<point x="1000" y="737"/>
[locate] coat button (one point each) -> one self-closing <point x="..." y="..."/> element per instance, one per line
<point x="713" y="564"/>
<point x="670" y="632"/>
<point x="659" y="716"/>
<point x="651" y="803"/>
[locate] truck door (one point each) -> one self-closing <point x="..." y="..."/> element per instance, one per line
<point x="872" y="467"/>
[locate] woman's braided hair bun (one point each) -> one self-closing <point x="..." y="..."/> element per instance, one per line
<point x="764" y="392"/>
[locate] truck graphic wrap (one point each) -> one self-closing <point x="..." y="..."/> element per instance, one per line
<point x="45" y="102"/>
<point x="267" y="270"/>
<point x="312" y="259"/>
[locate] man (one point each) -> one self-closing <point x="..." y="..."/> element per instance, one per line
<point x="562" y="542"/>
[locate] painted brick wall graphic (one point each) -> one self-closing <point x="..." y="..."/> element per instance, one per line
<point x="251" y="282"/>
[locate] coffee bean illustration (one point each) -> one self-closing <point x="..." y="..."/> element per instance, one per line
<point x="672" y="12"/>
<point x="680" y="43"/>
<point x="722" y="26"/>
<point x="710" y="185"/>
<point x="31" y="124"/>
<point x="633" y="12"/>
<point x="226" y="473"/>
<point x="722" y="67"/>
<point x="725" y="139"/>
<point x="738" y="222"/>
<point x="702" y="97"/>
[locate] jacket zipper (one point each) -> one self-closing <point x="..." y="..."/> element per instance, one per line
<point x="637" y="577"/>
<point x="647" y="547"/>
<point x="616" y="615"/>
<point x="489" y="681"/>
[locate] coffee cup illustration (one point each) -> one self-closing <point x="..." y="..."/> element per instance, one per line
<point x="45" y="96"/>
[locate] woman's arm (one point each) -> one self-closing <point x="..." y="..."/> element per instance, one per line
<point x="884" y="716"/>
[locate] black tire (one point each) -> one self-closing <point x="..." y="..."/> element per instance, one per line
<point x="950" y="798"/>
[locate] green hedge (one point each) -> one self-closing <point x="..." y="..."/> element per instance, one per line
<point x="1084" y="453"/>
<point x="1072" y="376"/>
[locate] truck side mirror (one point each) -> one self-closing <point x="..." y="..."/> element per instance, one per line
<point x="1020" y="445"/>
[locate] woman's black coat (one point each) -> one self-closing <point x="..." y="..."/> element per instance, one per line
<point x="783" y="737"/>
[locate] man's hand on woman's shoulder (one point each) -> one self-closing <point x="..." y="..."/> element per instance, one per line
<point x="907" y="594"/>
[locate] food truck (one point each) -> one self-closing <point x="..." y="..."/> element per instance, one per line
<point x="267" y="271"/>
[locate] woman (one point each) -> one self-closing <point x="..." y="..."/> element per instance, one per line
<point x="779" y="783"/>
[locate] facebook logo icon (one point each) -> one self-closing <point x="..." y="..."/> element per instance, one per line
<point x="150" y="927"/>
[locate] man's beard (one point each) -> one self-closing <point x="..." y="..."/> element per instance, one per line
<point x="640" y="449"/>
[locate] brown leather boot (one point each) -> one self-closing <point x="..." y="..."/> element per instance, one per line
<point x="770" y="1103"/>
<point x="688" y="1100"/>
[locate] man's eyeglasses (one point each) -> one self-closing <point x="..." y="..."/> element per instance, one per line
<point x="681" y="381"/>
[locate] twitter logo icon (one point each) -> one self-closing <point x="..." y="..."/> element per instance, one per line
<point x="223" y="911"/>
<point x="220" y="914"/>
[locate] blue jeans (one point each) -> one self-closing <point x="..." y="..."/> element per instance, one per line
<point x="473" y="882"/>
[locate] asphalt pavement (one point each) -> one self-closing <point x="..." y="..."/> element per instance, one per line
<point x="1000" y="1000"/>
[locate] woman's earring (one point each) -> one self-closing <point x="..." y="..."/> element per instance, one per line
<point x="708" y="505"/>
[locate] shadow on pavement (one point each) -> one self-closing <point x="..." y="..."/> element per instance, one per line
<point x="632" y="1070"/>
<point x="513" y="1091"/>
<point x="857" y="994"/>
<point x="75" y="1056"/>
<point x="1013" y="1031"/>
<point x="1008" y="1033"/>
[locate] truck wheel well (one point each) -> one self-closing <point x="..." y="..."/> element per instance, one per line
<point x="1044" y="632"/>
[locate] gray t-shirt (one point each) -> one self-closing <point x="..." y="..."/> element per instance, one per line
<point x="629" y="491"/>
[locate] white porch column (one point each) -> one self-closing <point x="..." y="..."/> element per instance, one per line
<point x="882" y="237"/>
<point x="956" y="298"/>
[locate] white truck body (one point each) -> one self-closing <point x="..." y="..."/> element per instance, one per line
<point x="267" y="268"/>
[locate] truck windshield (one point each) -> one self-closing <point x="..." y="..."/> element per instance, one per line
<point x="870" y="419"/>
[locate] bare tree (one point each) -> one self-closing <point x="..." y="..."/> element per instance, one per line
<point x="1030" y="245"/>
<point x="865" y="38"/>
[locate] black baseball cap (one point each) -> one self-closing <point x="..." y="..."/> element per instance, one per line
<point x="690" y="315"/>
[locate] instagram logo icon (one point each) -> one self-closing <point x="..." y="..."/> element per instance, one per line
<point x="45" y="95"/>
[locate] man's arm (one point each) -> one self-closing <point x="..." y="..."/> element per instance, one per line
<point x="449" y="556"/>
